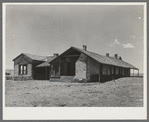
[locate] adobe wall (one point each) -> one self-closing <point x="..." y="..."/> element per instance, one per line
<point x="16" y="70"/>
<point x="81" y="67"/>
<point x="21" y="59"/>
<point x="25" y="60"/>
<point x="93" y="70"/>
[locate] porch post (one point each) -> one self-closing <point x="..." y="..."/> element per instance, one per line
<point x="99" y="78"/>
<point x="138" y="72"/>
<point x="46" y="73"/>
<point x="133" y="72"/>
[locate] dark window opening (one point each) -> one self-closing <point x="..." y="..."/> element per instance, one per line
<point x="117" y="70"/>
<point x="22" y="69"/>
<point x="112" y="70"/>
<point x="105" y="69"/>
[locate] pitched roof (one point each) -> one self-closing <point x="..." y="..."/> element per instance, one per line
<point x="36" y="57"/>
<point x="103" y="59"/>
<point x="46" y="63"/>
<point x="106" y="60"/>
<point x="33" y="57"/>
<point x="47" y="59"/>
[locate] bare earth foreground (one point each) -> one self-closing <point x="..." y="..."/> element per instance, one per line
<point x="124" y="92"/>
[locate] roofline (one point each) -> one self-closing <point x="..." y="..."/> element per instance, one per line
<point x="105" y="63"/>
<point x="27" y="56"/>
<point x="61" y="54"/>
<point x="18" y="56"/>
<point x="90" y="57"/>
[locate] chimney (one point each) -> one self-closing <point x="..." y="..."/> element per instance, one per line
<point x="107" y="54"/>
<point x="116" y="56"/>
<point x="84" y="47"/>
<point x="120" y="58"/>
<point x="55" y="54"/>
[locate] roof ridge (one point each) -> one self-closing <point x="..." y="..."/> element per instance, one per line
<point x="96" y="56"/>
<point x="89" y="51"/>
<point x="33" y="54"/>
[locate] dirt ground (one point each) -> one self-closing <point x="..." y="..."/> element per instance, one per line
<point x="124" y="92"/>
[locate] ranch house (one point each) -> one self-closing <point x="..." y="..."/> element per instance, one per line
<point x="74" y="63"/>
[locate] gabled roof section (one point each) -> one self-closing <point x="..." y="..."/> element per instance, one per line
<point x="46" y="63"/>
<point x="33" y="57"/>
<point x="36" y="57"/>
<point x="106" y="60"/>
<point x="102" y="59"/>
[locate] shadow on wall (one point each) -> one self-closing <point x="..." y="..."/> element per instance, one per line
<point x="94" y="78"/>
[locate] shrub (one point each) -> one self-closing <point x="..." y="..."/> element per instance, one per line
<point x="9" y="77"/>
<point x="7" y="73"/>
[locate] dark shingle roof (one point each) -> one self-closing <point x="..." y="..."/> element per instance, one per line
<point x="46" y="63"/>
<point x="106" y="60"/>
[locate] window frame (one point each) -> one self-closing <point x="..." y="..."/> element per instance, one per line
<point x="106" y="69"/>
<point x="112" y="70"/>
<point x="123" y="71"/>
<point x="21" y="69"/>
<point x="117" y="70"/>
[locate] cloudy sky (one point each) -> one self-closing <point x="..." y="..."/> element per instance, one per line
<point x="48" y="29"/>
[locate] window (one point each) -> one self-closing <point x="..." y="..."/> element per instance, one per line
<point x="22" y="69"/>
<point x="120" y="70"/>
<point x="116" y="70"/>
<point x="108" y="69"/>
<point x="123" y="71"/>
<point x="105" y="69"/>
<point x="112" y="70"/>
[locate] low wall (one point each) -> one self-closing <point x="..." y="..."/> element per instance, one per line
<point x="21" y="78"/>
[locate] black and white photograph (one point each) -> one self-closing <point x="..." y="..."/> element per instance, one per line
<point x="71" y="57"/>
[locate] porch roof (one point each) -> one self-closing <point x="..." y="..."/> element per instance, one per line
<point x="46" y="63"/>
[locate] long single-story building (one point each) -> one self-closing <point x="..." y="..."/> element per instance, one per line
<point x="83" y="64"/>
<point x="75" y="63"/>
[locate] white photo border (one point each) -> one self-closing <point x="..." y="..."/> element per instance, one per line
<point x="76" y="113"/>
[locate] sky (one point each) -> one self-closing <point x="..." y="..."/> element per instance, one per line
<point x="47" y="29"/>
